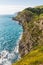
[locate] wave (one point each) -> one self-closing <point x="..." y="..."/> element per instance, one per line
<point x="6" y="57"/>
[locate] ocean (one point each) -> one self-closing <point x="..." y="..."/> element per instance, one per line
<point x="10" y="34"/>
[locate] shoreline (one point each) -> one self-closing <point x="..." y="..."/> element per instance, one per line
<point x="16" y="49"/>
<point x="17" y="46"/>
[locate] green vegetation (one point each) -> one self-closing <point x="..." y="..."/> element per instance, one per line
<point x="31" y="44"/>
<point x="37" y="11"/>
<point x="35" y="57"/>
<point x="31" y="13"/>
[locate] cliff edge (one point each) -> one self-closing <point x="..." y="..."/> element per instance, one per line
<point x="32" y="21"/>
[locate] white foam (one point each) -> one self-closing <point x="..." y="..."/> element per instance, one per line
<point x="6" y="57"/>
<point x="17" y="47"/>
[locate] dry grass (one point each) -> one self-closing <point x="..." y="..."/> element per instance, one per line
<point x="34" y="58"/>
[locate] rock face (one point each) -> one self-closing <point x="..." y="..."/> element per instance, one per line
<point x="33" y="31"/>
<point x="26" y="44"/>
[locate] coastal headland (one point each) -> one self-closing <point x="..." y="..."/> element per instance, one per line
<point x="32" y="40"/>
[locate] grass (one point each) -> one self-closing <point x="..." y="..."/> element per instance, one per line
<point x="41" y="16"/>
<point x="35" y="57"/>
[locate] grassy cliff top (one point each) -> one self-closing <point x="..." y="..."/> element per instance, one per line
<point x="29" y="13"/>
<point x="35" y="57"/>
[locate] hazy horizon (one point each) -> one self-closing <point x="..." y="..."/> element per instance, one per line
<point x="10" y="9"/>
<point x="12" y="6"/>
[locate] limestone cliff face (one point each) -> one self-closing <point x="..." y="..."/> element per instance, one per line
<point x="32" y="34"/>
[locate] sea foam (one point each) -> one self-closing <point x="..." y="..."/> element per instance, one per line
<point x="7" y="57"/>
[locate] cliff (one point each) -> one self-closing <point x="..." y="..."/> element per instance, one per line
<point x="32" y="21"/>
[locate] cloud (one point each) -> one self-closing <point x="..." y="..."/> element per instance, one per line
<point x="10" y="9"/>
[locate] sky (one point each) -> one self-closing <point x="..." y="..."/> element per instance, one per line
<point x="11" y="6"/>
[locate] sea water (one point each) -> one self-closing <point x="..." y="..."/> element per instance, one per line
<point x="10" y="34"/>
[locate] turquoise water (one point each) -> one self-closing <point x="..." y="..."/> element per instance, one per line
<point x="10" y="32"/>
